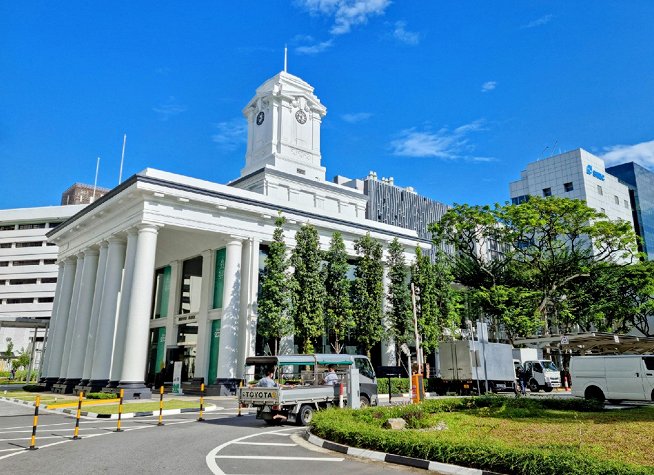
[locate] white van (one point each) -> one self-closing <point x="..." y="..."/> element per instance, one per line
<point x="614" y="378"/>
<point x="542" y="374"/>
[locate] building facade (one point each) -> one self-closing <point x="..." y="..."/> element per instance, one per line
<point x="79" y="194"/>
<point x="165" y="268"/>
<point x="576" y="174"/>
<point x="640" y="182"/>
<point x="28" y="271"/>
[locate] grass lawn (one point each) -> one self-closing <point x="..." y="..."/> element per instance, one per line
<point x="505" y="433"/>
<point x="46" y="398"/>
<point x="143" y="406"/>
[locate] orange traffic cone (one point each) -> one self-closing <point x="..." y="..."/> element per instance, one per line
<point x="565" y="383"/>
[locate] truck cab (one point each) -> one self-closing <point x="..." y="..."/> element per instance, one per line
<point x="542" y="374"/>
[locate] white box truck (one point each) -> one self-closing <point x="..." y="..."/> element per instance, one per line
<point x="463" y="364"/>
<point x="541" y="374"/>
<point x="613" y="377"/>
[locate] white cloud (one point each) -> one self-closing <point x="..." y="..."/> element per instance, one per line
<point x="641" y="153"/>
<point x="169" y="109"/>
<point x="488" y="86"/>
<point x="401" y="34"/>
<point x="231" y="134"/>
<point x="444" y="143"/>
<point x="346" y="13"/>
<point x="544" y="20"/>
<point x="314" y="48"/>
<point x="355" y="117"/>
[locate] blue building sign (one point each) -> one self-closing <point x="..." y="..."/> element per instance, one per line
<point x="595" y="173"/>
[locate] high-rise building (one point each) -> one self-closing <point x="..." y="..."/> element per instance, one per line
<point x="81" y="194"/>
<point x="28" y="269"/>
<point x="640" y="182"/>
<point x="576" y="174"/>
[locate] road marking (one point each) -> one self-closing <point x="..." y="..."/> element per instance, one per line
<point x="266" y="457"/>
<point x="276" y="444"/>
<point x="10" y="450"/>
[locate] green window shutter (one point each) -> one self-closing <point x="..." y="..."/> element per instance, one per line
<point x="219" y="278"/>
<point x="165" y="292"/>
<point x="161" y="349"/>
<point x="214" y="351"/>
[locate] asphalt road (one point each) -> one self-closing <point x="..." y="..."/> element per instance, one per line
<point x="222" y="444"/>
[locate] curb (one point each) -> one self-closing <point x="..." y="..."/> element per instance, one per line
<point x="125" y="415"/>
<point x="444" y="468"/>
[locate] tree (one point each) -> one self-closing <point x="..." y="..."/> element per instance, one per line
<point x="547" y="245"/>
<point x="437" y="304"/>
<point x="368" y="291"/>
<point x="273" y="319"/>
<point x="339" y="318"/>
<point x="307" y="288"/>
<point x="399" y="312"/>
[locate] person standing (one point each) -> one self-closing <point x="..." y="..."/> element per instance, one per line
<point x="331" y="378"/>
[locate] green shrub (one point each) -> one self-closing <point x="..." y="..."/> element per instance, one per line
<point x="398" y="385"/>
<point x="34" y="388"/>
<point x="100" y="396"/>
<point x="363" y="429"/>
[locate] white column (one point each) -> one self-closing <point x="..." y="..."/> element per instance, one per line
<point x="229" y="324"/>
<point x="72" y="319"/>
<point x="104" y="339"/>
<point x="387" y="344"/>
<point x="63" y="313"/>
<point x="83" y="320"/>
<point x="125" y="295"/>
<point x="95" y="312"/>
<point x="204" y="326"/>
<point x="247" y="320"/>
<point x="52" y="326"/>
<point x="140" y="306"/>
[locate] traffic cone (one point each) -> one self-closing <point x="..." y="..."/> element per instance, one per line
<point x="565" y="383"/>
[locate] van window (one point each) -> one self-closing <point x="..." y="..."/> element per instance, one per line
<point x="649" y="362"/>
<point x="538" y="368"/>
<point x="548" y="365"/>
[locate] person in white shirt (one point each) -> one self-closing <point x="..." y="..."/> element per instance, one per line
<point x="331" y="378"/>
<point x="267" y="381"/>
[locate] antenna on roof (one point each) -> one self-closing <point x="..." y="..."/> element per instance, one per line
<point x="122" y="158"/>
<point x="285" y="59"/>
<point x="95" y="183"/>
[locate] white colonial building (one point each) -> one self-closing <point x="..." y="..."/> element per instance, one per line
<point x="165" y="267"/>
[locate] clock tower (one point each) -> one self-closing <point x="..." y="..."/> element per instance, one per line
<point x="284" y="119"/>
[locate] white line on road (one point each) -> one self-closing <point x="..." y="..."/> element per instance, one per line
<point x="267" y="457"/>
<point x="276" y="444"/>
<point x="11" y="450"/>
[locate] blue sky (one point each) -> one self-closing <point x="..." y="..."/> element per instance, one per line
<point x="453" y="98"/>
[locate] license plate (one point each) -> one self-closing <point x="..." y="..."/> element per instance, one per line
<point x="466" y="386"/>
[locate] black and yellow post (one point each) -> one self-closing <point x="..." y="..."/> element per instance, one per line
<point x="201" y="402"/>
<point x="120" y="410"/>
<point x="240" y="386"/>
<point x="77" y="416"/>
<point x="160" y="423"/>
<point x="35" y="423"/>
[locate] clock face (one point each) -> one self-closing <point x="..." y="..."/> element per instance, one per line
<point x="301" y="117"/>
<point x="260" y="117"/>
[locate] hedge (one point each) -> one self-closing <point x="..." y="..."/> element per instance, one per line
<point x="363" y="429"/>
<point x="100" y="396"/>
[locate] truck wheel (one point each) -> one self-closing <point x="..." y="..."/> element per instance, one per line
<point x="594" y="393"/>
<point x="548" y="389"/>
<point x="365" y="402"/>
<point x="533" y="386"/>
<point x="305" y="415"/>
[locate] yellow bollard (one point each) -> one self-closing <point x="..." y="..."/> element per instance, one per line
<point x="120" y="410"/>
<point x="201" y="402"/>
<point x="240" y="386"/>
<point x="161" y="389"/>
<point x="77" y="416"/>
<point x="35" y="423"/>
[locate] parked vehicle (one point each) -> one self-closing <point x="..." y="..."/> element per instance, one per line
<point x="465" y="366"/>
<point x="542" y="374"/>
<point x="302" y="391"/>
<point x="613" y="377"/>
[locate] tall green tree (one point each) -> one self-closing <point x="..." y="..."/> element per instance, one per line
<point x="274" y="321"/>
<point x="368" y="292"/>
<point x="542" y="245"/>
<point x="308" y="288"/>
<point x="399" y="313"/>
<point x="339" y="317"/>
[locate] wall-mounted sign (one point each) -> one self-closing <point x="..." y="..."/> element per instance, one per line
<point x="595" y="173"/>
<point x="188" y="318"/>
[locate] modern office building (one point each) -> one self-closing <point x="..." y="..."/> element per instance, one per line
<point x="164" y="268"/>
<point x="576" y="174"/>
<point x="640" y="182"/>
<point x="28" y="272"/>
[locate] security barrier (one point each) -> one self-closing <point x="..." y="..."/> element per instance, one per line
<point x="77" y="416"/>
<point x="161" y="391"/>
<point x="200" y="418"/>
<point x="120" y="410"/>
<point x="35" y="423"/>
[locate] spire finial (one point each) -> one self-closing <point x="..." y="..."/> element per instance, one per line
<point x="285" y="59"/>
